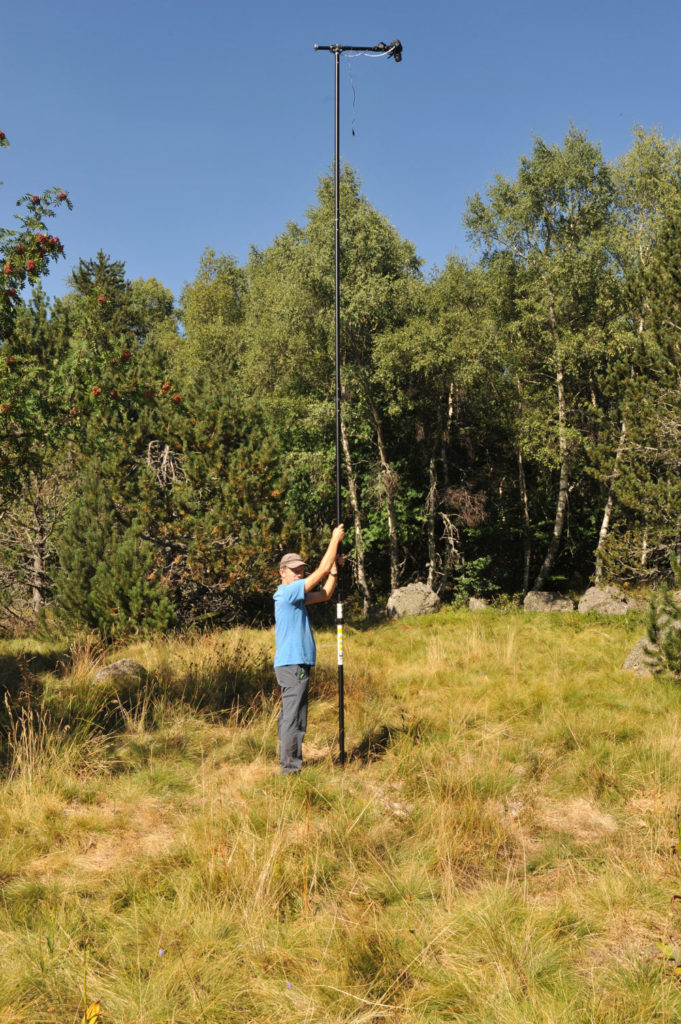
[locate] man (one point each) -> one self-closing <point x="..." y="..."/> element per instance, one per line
<point x="295" y="646"/>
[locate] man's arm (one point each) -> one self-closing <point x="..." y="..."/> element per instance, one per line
<point x="326" y="564"/>
<point x="326" y="590"/>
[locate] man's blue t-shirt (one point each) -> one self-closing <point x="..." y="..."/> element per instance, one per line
<point x="292" y="631"/>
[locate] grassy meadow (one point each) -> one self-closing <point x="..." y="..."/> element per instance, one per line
<point x="502" y="845"/>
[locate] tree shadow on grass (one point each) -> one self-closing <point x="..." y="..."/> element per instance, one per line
<point x="227" y="688"/>
<point x="40" y="681"/>
<point x="19" y="673"/>
<point x="21" y="689"/>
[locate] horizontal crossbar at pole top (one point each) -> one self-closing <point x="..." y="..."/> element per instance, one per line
<point x="338" y="49"/>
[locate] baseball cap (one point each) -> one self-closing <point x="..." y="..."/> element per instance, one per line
<point x="291" y="561"/>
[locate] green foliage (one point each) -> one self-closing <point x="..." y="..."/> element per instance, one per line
<point x="212" y="309"/>
<point x="124" y="595"/>
<point x="221" y="526"/>
<point x="664" y="632"/>
<point x="79" y="383"/>
<point x="27" y="252"/>
<point x="553" y="285"/>
<point x="102" y="305"/>
<point x="153" y="306"/>
<point x="288" y="358"/>
<point x="106" y="580"/>
<point x="648" y="528"/>
<point x="188" y="508"/>
<point x="33" y="417"/>
<point x="511" y="420"/>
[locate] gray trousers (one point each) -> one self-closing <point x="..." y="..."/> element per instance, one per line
<point x="293" y="681"/>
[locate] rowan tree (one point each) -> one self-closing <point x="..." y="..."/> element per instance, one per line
<point x="34" y="419"/>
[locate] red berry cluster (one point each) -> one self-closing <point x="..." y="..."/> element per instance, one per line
<point x="165" y="389"/>
<point x="27" y="257"/>
<point x="96" y="391"/>
<point x="48" y="243"/>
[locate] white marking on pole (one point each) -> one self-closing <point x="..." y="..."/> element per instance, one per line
<point x="339" y="632"/>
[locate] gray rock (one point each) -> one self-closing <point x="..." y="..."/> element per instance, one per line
<point x="476" y="604"/>
<point x="607" y="600"/>
<point x="547" y="601"/>
<point x="635" y="603"/>
<point x="414" y="599"/>
<point x="124" y="670"/>
<point x="638" y="660"/>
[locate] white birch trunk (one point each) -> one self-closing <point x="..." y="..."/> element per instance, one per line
<point x="360" y="571"/>
<point x="563" y="487"/>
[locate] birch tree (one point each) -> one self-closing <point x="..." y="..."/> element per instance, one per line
<point x="547" y="231"/>
<point x="289" y="353"/>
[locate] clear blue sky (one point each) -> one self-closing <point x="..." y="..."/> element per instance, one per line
<point x="177" y="125"/>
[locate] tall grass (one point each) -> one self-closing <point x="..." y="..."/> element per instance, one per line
<point x="503" y="844"/>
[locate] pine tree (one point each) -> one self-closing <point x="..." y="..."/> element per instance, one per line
<point x="102" y="301"/>
<point x="106" y="580"/>
<point x="125" y="595"/>
<point x="88" y="532"/>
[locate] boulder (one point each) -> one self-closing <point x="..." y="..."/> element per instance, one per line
<point x="643" y="658"/>
<point x="547" y="601"/>
<point x="414" y="599"/>
<point x="605" y="600"/>
<point x="125" y="670"/>
<point x="476" y="604"/>
<point x="638" y="660"/>
<point x="636" y="603"/>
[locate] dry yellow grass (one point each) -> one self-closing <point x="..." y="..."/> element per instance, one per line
<point x="502" y="845"/>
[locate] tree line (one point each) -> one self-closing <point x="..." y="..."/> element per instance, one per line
<point x="509" y="422"/>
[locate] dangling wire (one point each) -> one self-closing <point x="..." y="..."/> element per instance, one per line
<point x="354" y="96"/>
<point x="349" y="57"/>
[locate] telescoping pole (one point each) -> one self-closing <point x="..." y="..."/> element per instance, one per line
<point x="393" y="49"/>
<point x="337" y="355"/>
